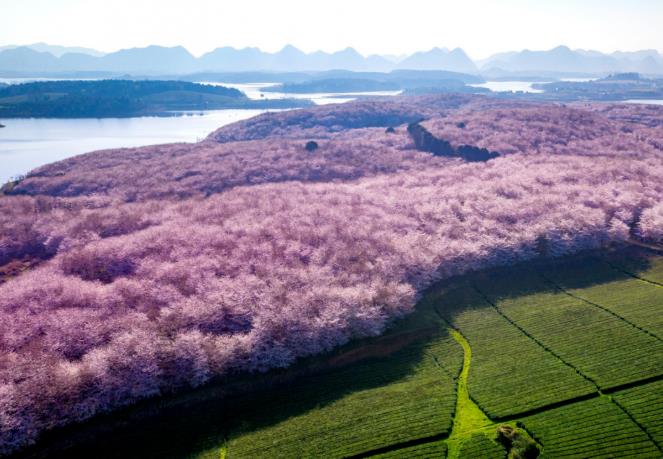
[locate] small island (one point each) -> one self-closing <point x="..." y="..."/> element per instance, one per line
<point x="124" y="98"/>
<point x="335" y="85"/>
<point x="616" y="87"/>
<point x="406" y="81"/>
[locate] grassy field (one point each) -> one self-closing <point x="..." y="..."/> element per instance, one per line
<point x="569" y="351"/>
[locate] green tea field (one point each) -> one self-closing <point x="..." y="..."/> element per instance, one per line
<point x="550" y="359"/>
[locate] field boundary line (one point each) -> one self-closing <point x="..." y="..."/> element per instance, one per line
<point x="631" y="385"/>
<point x="635" y="276"/>
<point x="629" y="273"/>
<point x="400" y="445"/>
<point x="640" y="426"/>
<point x="548" y="407"/>
<point x="599" y="391"/>
<point x="596" y="305"/>
<point x="524" y="332"/>
<point x="645" y="245"/>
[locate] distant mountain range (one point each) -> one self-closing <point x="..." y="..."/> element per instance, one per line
<point x="55" y="50"/>
<point x="564" y="59"/>
<point x="41" y="59"/>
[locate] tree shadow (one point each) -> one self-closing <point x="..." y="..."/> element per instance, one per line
<point x="200" y="419"/>
<point x="580" y="271"/>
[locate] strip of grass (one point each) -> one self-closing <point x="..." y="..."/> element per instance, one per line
<point x="593" y="428"/>
<point x="510" y="373"/>
<point x="603" y="347"/>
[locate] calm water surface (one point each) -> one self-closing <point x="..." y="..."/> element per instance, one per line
<point x="508" y="86"/>
<point x="255" y="91"/>
<point x="26" y="143"/>
<point x="522" y="86"/>
<point x="645" y="101"/>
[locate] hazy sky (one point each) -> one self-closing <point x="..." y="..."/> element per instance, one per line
<point x="481" y="27"/>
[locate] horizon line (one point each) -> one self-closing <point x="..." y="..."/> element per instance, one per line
<point x="349" y="47"/>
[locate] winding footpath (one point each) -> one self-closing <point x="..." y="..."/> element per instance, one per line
<point x="468" y="417"/>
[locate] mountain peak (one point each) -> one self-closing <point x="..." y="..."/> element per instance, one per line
<point x="562" y="48"/>
<point x="349" y="51"/>
<point x="563" y="60"/>
<point x="458" y="51"/>
<point x="439" y="59"/>
<point x="290" y="49"/>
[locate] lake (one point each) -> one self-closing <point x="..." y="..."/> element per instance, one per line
<point x="508" y="86"/>
<point x="255" y="91"/>
<point x="644" y="101"/>
<point x="522" y="86"/>
<point x="26" y="143"/>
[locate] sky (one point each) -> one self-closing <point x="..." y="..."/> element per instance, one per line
<point x="480" y="27"/>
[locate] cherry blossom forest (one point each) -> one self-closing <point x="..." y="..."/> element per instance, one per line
<point x="160" y="268"/>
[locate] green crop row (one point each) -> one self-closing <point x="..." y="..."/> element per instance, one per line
<point x="645" y="404"/>
<point x="479" y="446"/>
<point x="593" y="428"/>
<point x="510" y="373"/>
<point x="391" y="409"/>
<point x="634" y="300"/>
<point x="432" y="450"/>
<point x="601" y="346"/>
<point x="640" y="263"/>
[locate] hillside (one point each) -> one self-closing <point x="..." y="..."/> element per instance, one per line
<point x="424" y="81"/>
<point x="152" y="270"/>
<point x="431" y="381"/>
<point x="119" y="98"/>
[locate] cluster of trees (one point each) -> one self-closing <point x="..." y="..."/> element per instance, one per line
<point x="650" y="224"/>
<point x="202" y="169"/>
<point x="554" y="130"/>
<point x="104" y="98"/>
<point x="337" y="85"/>
<point x="325" y="121"/>
<point x="650" y="115"/>
<point x="622" y="86"/>
<point x="142" y="293"/>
